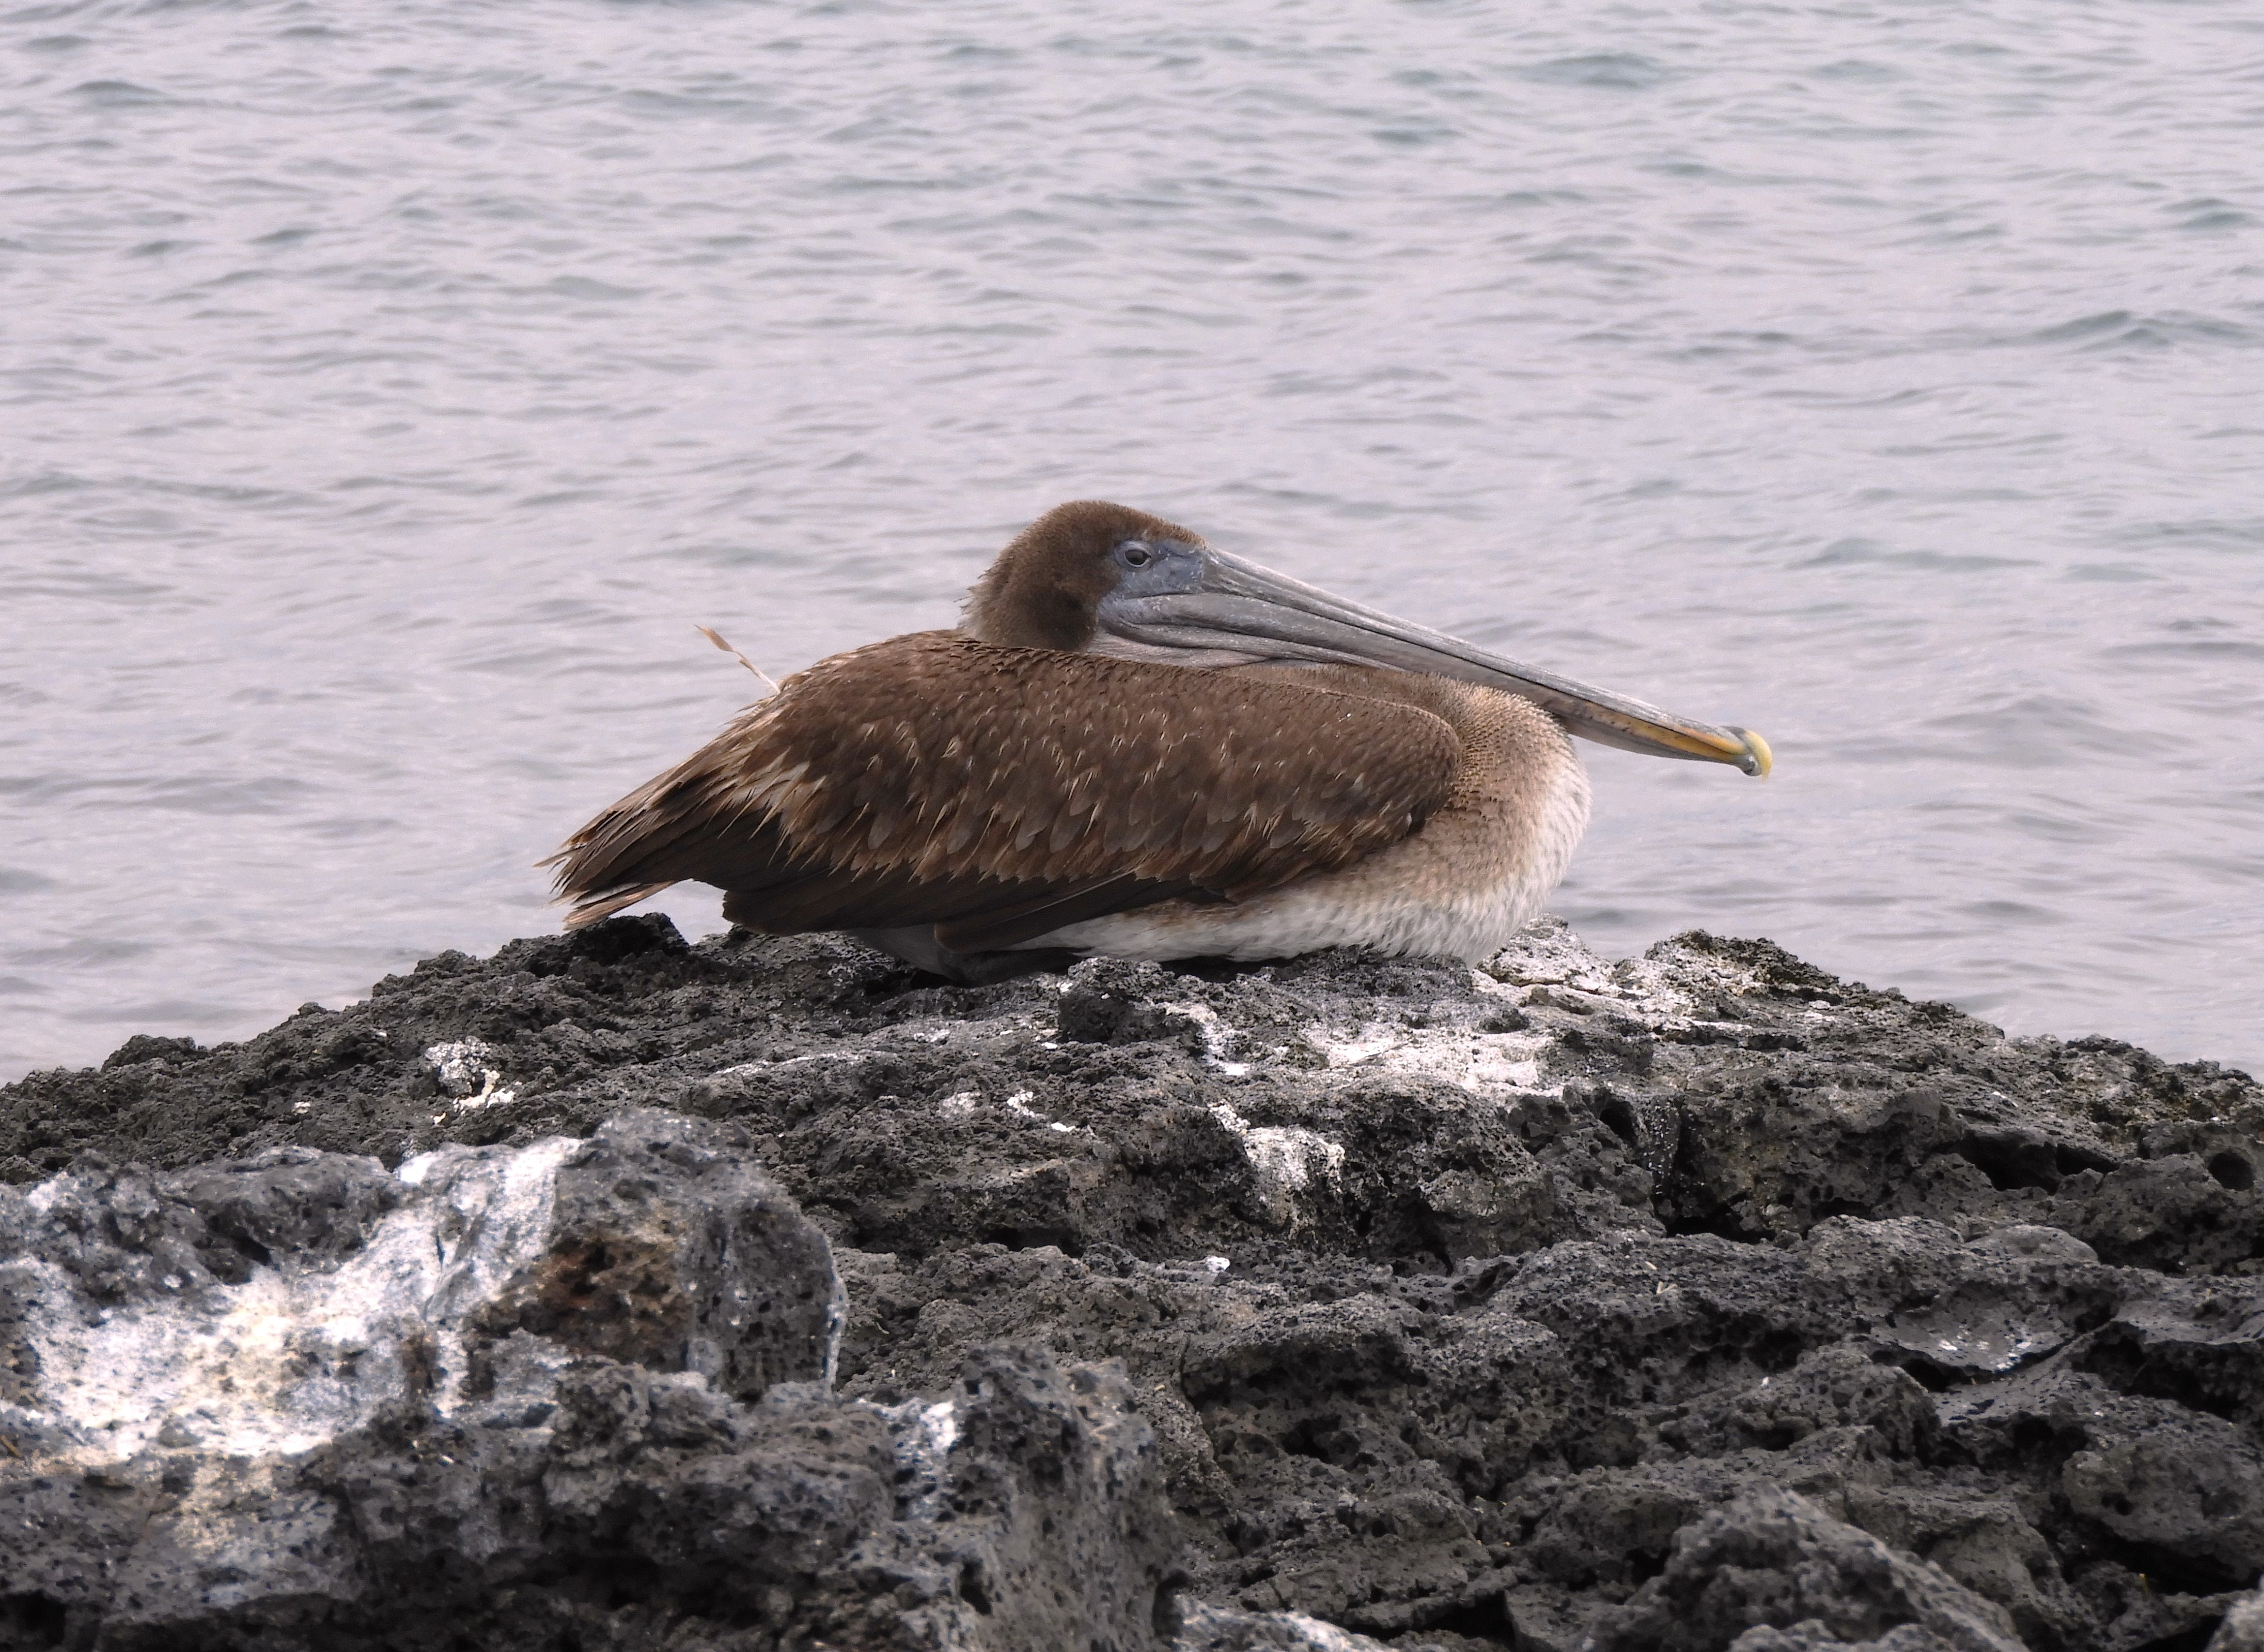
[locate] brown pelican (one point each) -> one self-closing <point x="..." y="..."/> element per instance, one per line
<point x="1137" y="745"/>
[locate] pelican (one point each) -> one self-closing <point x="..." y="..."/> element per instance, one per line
<point x="1136" y="745"/>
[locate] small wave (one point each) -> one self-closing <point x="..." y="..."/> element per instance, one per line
<point x="1846" y="553"/>
<point x="160" y="1012"/>
<point x="182" y="794"/>
<point x="95" y="586"/>
<point x="1990" y="914"/>
<point x="1858" y="68"/>
<point x="2122" y="329"/>
<point x="2106" y="321"/>
<point x="734" y="100"/>
<point x="2209" y="212"/>
<point x="45" y="481"/>
<point x="119" y="94"/>
<point x="2074" y="825"/>
<point x="2233" y="533"/>
<point x="2025" y="732"/>
<point x="2200" y="640"/>
<point x="1620" y="72"/>
<point x="590" y="287"/>
<point x="1559" y="197"/>
<point x="1713" y="346"/>
<point x="94" y="949"/>
<point x="1408" y="137"/>
<point x="347" y="829"/>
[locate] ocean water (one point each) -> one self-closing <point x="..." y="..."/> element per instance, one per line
<point x="387" y="390"/>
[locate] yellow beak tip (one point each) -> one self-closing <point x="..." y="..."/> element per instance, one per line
<point x="1757" y="760"/>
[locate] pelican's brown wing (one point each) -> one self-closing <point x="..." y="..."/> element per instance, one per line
<point x="1001" y="793"/>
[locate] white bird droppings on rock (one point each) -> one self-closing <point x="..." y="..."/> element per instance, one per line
<point x="289" y="1358"/>
<point x="1475" y="1061"/>
<point x="939" y="1422"/>
<point x="1282" y="1160"/>
<point x="462" y="1065"/>
<point x="1019" y="1105"/>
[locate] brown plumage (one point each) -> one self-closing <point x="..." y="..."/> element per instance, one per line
<point x="1000" y="792"/>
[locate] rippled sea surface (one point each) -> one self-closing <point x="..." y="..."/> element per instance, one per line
<point x="385" y="391"/>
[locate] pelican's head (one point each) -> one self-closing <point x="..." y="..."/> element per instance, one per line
<point x="1105" y="579"/>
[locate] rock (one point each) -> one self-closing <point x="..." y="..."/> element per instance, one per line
<point x="513" y="1396"/>
<point x="2180" y="1485"/>
<point x="1210" y="1629"/>
<point x="771" y="1293"/>
<point x="1841" y="1386"/>
<point x="2243" y="1627"/>
<point x="670" y="1251"/>
<point x="1773" y="1562"/>
<point x="1813" y="1635"/>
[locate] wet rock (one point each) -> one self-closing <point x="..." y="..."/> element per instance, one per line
<point x="1701" y="1295"/>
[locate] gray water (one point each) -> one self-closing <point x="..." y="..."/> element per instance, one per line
<point x="386" y="390"/>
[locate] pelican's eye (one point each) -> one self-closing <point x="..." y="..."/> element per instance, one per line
<point x="1133" y="554"/>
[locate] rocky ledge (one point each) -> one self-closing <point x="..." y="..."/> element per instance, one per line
<point x="618" y="1293"/>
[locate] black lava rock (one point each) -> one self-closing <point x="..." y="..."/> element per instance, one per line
<point x="1701" y="1302"/>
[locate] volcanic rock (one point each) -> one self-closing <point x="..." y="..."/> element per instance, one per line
<point x="614" y="1292"/>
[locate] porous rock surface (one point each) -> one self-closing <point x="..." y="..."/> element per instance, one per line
<point x="614" y="1292"/>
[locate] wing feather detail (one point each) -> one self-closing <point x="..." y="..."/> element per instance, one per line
<point x="1004" y="792"/>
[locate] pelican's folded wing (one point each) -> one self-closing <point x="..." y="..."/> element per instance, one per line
<point x="934" y="780"/>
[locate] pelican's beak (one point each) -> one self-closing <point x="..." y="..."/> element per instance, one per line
<point x="1238" y="608"/>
